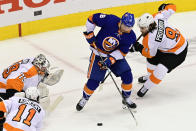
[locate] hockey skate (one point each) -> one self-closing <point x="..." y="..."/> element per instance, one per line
<point x="142" y="91"/>
<point x="127" y="102"/>
<point x="81" y="104"/>
<point x="142" y="79"/>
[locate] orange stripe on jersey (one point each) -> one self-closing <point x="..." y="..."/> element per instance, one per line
<point x="149" y="70"/>
<point x="171" y="6"/>
<point x="90" y="18"/>
<point x="2" y="107"/>
<point x="146" y="51"/>
<point x="126" y="87"/>
<point x="91" y="65"/>
<point x="154" y="79"/>
<point x="31" y="72"/>
<point x="123" y="54"/>
<point x="16" y="84"/>
<point x="2" y="85"/>
<point x="154" y="15"/>
<point x="87" y="90"/>
<point x="103" y="51"/>
<point x="180" y="43"/>
<point x="8" y="127"/>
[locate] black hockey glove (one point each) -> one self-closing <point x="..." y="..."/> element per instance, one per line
<point x="90" y="37"/>
<point x="162" y="6"/>
<point x="132" y="49"/>
<point x="136" y="47"/>
<point x="2" y="118"/>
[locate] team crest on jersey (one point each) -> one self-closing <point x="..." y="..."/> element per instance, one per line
<point x="110" y="43"/>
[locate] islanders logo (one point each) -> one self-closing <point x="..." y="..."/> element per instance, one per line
<point x="110" y="43"/>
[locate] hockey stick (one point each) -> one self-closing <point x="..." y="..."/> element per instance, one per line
<point x="115" y="84"/>
<point x="1" y="99"/>
<point x="110" y="71"/>
<point x="53" y="106"/>
<point x="101" y="83"/>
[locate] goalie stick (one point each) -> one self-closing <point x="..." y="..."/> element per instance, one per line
<point x="53" y="106"/>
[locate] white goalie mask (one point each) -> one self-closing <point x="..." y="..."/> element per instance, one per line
<point x="145" y="20"/>
<point x="32" y="93"/>
<point x="41" y="63"/>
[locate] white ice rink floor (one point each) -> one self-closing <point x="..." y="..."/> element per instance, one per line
<point x="171" y="106"/>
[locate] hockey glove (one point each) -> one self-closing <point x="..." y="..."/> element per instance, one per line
<point x="106" y="63"/>
<point x="136" y="47"/>
<point x="54" y="76"/>
<point x="132" y="49"/>
<point x="90" y="37"/>
<point x="162" y="6"/>
<point x="2" y="118"/>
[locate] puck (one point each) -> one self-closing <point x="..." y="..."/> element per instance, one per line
<point x="99" y="124"/>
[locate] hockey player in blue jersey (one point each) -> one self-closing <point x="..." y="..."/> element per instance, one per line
<point x="113" y="42"/>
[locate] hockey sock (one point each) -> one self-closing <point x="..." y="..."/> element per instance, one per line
<point x="89" y="88"/>
<point x="156" y="77"/>
<point x="126" y="85"/>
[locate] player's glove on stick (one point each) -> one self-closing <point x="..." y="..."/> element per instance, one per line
<point x="107" y="62"/>
<point x="136" y="47"/>
<point x="162" y="6"/>
<point x="90" y="37"/>
<point x="2" y="118"/>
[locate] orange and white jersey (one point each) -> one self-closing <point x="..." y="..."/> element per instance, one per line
<point x="165" y="38"/>
<point x="19" y="76"/>
<point x="22" y="114"/>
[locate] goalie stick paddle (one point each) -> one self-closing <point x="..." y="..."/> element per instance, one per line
<point x="110" y="71"/>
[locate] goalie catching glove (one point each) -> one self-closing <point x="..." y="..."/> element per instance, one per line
<point x="54" y="76"/>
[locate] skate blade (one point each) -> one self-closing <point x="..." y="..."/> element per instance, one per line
<point x="126" y="108"/>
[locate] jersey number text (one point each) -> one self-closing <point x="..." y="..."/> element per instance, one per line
<point x="29" y="117"/>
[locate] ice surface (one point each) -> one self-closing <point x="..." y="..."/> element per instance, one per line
<point x="171" y="106"/>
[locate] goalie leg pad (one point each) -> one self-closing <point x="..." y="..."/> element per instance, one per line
<point x="44" y="91"/>
<point x="45" y="102"/>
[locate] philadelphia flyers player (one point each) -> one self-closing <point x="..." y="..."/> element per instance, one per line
<point x="113" y="42"/>
<point x="23" y="113"/>
<point x="25" y="73"/>
<point x="163" y="45"/>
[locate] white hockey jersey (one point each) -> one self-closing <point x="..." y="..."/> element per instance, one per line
<point x="165" y="38"/>
<point x="22" y="114"/>
<point x="19" y="76"/>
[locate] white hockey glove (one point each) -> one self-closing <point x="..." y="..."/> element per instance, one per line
<point x="54" y="76"/>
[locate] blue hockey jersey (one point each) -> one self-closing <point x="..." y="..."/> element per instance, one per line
<point x="109" y="38"/>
